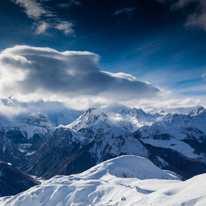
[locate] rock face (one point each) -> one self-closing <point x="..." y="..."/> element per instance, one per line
<point x="13" y="181"/>
<point x="9" y="151"/>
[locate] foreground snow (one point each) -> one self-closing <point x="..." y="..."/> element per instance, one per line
<point x="126" y="180"/>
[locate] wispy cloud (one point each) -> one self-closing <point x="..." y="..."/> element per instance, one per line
<point x="42" y="27"/>
<point x="32" y="8"/>
<point x="129" y="11"/>
<point x="69" y="4"/>
<point x="203" y="76"/>
<point x="44" y="17"/>
<point x="65" y="27"/>
<point x="196" y="10"/>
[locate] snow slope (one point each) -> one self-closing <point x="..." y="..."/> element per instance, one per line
<point x="127" y="166"/>
<point x="188" y="193"/>
<point x="133" y="119"/>
<point x="121" y="181"/>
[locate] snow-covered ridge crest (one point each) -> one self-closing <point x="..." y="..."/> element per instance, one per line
<point x="127" y="166"/>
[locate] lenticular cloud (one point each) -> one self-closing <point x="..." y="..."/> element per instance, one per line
<point x="43" y="72"/>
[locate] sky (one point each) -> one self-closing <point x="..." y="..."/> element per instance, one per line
<point x="88" y="53"/>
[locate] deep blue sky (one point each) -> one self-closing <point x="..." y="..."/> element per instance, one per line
<point x="152" y="40"/>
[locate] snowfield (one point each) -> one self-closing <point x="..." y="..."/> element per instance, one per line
<point x="126" y="180"/>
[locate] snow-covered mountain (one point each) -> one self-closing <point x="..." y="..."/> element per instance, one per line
<point x="25" y="130"/>
<point x="24" y="125"/>
<point x="91" y="139"/>
<point x="171" y="141"/>
<point x="180" y="140"/>
<point x="126" y="181"/>
<point x="132" y="119"/>
<point x="175" y="142"/>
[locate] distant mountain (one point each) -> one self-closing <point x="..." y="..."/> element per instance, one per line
<point x="180" y="140"/>
<point x="132" y="119"/>
<point x="89" y="140"/>
<point x="28" y="130"/>
<point x="56" y="111"/>
<point x="171" y="141"/>
<point x="197" y="111"/>
<point x="21" y="134"/>
<point x="13" y="181"/>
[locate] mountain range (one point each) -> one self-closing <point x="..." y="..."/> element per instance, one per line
<point x="37" y="145"/>
<point x="171" y="141"/>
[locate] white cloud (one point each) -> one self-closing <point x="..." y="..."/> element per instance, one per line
<point x="122" y="75"/>
<point x="129" y="11"/>
<point x="166" y="103"/>
<point x="203" y="77"/>
<point x="125" y="10"/>
<point x="32" y="73"/>
<point x="42" y="27"/>
<point x="10" y="111"/>
<point x="44" y="17"/>
<point x="32" y="8"/>
<point x="197" y="15"/>
<point x="69" y="4"/>
<point x="65" y="27"/>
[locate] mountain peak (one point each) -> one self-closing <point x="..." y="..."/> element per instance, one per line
<point x="38" y="120"/>
<point x="94" y="112"/>
<point x="88" y="111"/>
<point x="198" y="110"/>
<point x="90" y="117"/>
<point x="133" y="112"/>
